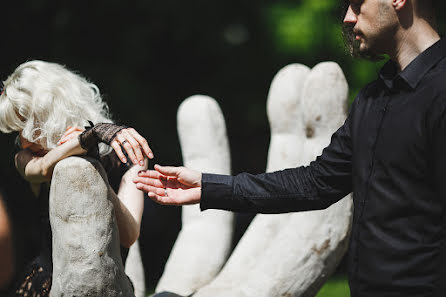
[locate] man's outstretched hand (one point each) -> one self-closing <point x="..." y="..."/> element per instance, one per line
<point x="170" y="185"/>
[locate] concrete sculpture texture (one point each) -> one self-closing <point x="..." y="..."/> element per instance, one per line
<point x="204" y="243"/>
<point x="293" y="254"/>
<point x="86" y="250"/>
<point x="135" y="270"/>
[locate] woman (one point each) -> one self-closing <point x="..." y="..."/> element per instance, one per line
<point x="48" y="105"/>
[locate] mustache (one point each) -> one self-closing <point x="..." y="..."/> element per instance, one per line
<point x="352" y="46"/>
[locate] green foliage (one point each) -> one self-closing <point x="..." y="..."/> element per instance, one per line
<point x="301" y="27"/>
<point x="335" y="287"/>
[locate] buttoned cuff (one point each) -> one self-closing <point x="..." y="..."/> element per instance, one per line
<point x="216" y="191"/>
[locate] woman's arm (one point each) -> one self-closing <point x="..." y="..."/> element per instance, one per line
<point x="129" y="206"/>
<point x="38" y="169"/>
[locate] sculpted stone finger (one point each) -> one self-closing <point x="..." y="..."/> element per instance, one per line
<point x="205" y="147"/>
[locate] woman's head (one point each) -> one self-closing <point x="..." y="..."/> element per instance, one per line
<point x="40" y="100"/>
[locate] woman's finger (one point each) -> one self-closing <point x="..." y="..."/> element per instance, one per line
<point x="125" y="144"/>
<point x="137" y="149"/>
<point x="143" y="142"/>
<point x="61" y="141"/>
<point x="70" y="133"/>
<point x="73" y="134"/>
<point x="118" y="150"/>
<point x="131" y="146"/>
<point x="66" y="133"/>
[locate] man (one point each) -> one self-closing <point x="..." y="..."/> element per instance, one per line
<point x="391" y="152"/>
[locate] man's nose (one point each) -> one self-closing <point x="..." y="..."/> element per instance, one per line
<point x="350" y="16"/>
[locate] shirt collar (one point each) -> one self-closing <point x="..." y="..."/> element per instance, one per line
<point x="417" y="69"/>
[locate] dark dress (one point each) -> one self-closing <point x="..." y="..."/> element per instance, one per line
<point x="35" y="280"/>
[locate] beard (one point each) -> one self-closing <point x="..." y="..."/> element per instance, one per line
<point x="353" y="46"/>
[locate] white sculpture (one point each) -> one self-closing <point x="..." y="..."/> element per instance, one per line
<point x="135" y="270"/>
<point x="86" y="251"/>
<point x="204" y="243"/>
<point x="293" y="254"/>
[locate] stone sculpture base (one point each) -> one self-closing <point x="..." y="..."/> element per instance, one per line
<point x="86" y="250"/>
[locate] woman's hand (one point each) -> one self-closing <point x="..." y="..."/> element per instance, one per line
<point x="134" y="144"/>
<point x="70" y="133"/>
<point x="118" y="137"/>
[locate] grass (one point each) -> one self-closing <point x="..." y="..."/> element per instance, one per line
<point x="336" y="286"/>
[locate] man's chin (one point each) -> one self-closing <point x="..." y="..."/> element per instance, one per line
<point x="355" y="43"/>
<point x="363" y="52"/>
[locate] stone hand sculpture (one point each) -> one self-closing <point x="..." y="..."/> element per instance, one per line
<point x="86" y="251"/>
<point x="204" y="243"/>
<point x="293" y="254"/>
<point x="135" y="270"/>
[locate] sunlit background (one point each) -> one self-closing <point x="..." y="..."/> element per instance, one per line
<point x="148" y="56"/>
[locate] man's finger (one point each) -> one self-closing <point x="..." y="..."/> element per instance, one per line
<point x="149" y="173"/>
<point x="149" y="181"/>
<point x="156" y="194"/>
<point x="168" y="170"/>
<point x="148" y="188"/>
<point x="162" y="199"/>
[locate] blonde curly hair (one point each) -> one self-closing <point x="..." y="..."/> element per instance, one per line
<point x="41" y="99"/>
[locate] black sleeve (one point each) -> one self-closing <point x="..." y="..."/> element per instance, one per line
<point x="317" y="186"/>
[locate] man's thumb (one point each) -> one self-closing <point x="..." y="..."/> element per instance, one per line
<point x="167" y="170"/>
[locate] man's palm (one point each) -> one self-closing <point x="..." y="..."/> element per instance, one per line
<point x="171" y="185"/>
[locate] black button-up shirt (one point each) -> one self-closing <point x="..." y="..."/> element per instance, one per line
<point x="391" y="153"/>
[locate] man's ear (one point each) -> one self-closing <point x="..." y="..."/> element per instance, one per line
<point x="399" y="4"/>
